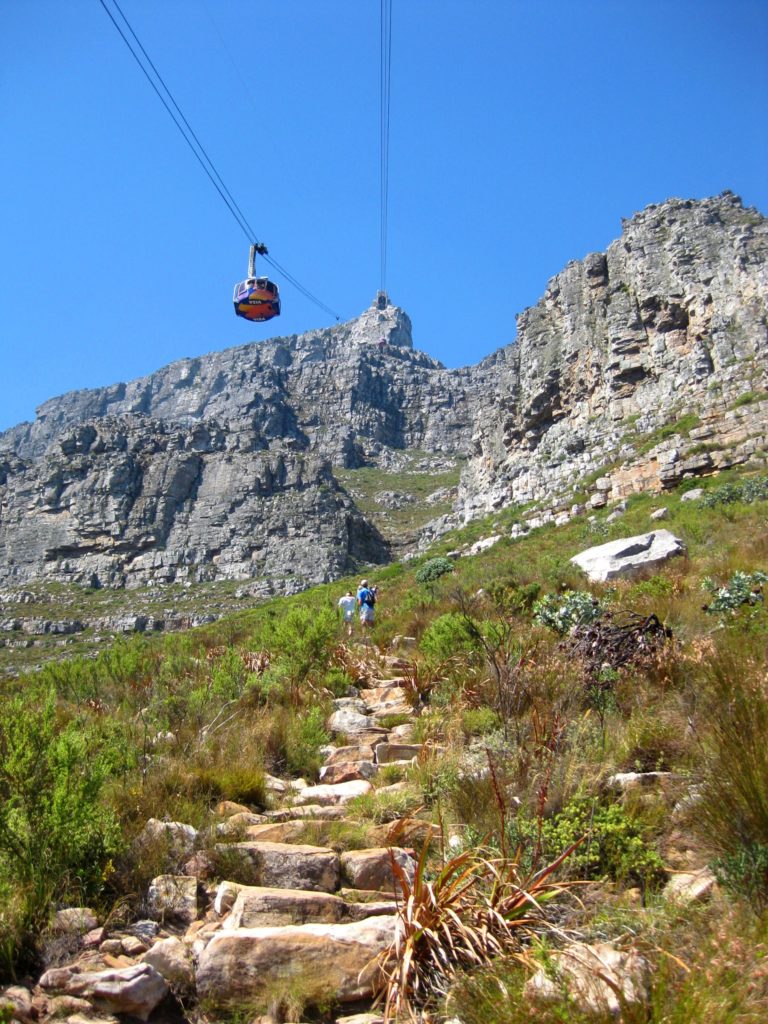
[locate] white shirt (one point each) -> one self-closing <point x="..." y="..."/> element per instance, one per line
<point x="347" y="605"/>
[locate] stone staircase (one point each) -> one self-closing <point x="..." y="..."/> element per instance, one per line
<point x="265" y="922"/>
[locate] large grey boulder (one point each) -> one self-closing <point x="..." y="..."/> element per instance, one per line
<point x="628" y="556"/>
<point x="325" y="962"/>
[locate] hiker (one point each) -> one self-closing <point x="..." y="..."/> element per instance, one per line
<point x="347" y="605"/>
<point x="366" y="599"/>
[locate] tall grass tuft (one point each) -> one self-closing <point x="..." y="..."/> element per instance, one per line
<point x="733" y="814"/>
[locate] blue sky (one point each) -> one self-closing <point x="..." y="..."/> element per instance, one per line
<point x="521" y="134"/>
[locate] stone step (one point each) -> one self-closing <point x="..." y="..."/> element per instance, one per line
<point x="387" y="753"/>
<point x="372" y="869"/>
<point x="402" y="710"/>
<point x="275" y="831"/>
<point x="240" y="966"/>
<point x="380" y="693"/>
<point x="280" y="865"/>
<point x="261" y="907"/>
<point x="349" y="722"/>
<point x="349" y="771"/>
<point x="306" y="812"/>
<point x="356" y="752"/>
<point x="339" y="793"/>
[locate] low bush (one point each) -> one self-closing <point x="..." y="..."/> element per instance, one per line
<point x="57" y="838"/>
<point x="563" y="611"/>
<point x="448" y="635"/>
<point x="743" y="588"/>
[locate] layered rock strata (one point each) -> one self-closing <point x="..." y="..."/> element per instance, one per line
<point x="672" y="321"/>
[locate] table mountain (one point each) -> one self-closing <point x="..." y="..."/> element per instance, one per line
<point x="222" y="466"/>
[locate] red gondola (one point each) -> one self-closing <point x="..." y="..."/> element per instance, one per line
<point x="256" y="298"/>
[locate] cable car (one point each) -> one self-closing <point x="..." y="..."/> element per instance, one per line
<point x="256" y="298"/>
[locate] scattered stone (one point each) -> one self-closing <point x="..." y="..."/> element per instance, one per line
<point x="353" y="771"/>
<point x="94" y="938"/>
<point x="74" y="921"/>
<point x="693" y="495"/>
<point x="20" y="1000"/>
<point x="386" y="753"/>
<point x="226" y="808"/>
<point x="598" y="980"/>
<point x="145" y="930"/>
<point x="484" y="544"/>
<point x="132" y="946"/>
<point x="626" y="781"/>
<point x="173" y="898"/>
<point x="238" y="823"/>
<point x="171" y="959"/>
<point x="111" y="946"/>
<point x="690" y="886"/>
<point x="660" y="513"/>
<point x="134" y="990"/>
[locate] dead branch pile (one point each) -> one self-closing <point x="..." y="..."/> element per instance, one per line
<point x="607" y="643"/>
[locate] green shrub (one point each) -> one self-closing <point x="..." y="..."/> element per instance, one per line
<point x="563" y="611"/>
<point x="302" y="639"/>
<point x="433" y="569"/>
<point x="748" y="490"/>
<point x="479" y="721"/>
<point x="306" y="734"/>
<point x="448" y="635"/>
<point x="742" y="588"/>
<point x="616" y="847"/>
<point x="56" y="838"/>
<point x="337" y="681"/>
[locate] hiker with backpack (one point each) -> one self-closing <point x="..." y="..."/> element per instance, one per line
<point x="366" y="600"/>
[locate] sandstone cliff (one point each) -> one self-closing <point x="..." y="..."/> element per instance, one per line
<point x="671" y="320"/>
<point x="222" y="466"/>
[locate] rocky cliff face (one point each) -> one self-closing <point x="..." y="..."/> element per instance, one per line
<point x="222" y="465"/>
<point x="671" y="322"/>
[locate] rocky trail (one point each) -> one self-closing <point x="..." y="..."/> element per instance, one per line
<point x="257" y="923"/>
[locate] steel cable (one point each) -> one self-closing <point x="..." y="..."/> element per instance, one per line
<point x="213" y="175"/>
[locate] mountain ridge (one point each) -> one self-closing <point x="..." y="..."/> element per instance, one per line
<point x="178" y="474"/>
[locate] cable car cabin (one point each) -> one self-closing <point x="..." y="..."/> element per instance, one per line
<point x="257" y="298"/>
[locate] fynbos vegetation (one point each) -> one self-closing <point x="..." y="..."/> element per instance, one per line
<point x="547" y="765"/>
